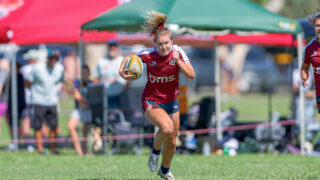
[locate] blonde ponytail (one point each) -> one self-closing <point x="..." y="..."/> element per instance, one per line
<point x="155" y="24"/>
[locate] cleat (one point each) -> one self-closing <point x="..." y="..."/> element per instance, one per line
<point x="167" y="176"/>
<point x="153" y="162"/>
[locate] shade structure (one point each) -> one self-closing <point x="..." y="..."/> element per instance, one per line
<point x="234" y="15"/>
<point x="129" y="16"/>
<point x="204" y="15"/>
<point x="58" y="21"/>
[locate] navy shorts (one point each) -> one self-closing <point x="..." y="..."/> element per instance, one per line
<point x="170" y="107"/>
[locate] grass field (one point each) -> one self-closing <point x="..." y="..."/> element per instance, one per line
<point x="251" y="107"/>
<point x="23" y="165"/>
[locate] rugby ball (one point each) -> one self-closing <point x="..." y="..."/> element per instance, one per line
<point x="134" y="66"/>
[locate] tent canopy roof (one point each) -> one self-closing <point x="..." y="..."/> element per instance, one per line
<point x="57" y="21"/>
<point x="200" y="15"/>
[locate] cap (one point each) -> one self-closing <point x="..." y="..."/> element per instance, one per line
<point x="31" y="54"/>
<point x="113" y="42"/>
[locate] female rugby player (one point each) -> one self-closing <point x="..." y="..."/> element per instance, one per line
<point x="159" y="98"/>
<point x="312" y="56"/>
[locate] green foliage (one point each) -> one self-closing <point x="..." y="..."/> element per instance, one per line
<point x="295" y="8"/>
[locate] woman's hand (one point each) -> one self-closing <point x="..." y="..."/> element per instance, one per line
<point x="176" y="56"/>
<point x="304" y="74"/>
<point x="124" y="74"/>
<point x="304" y="80"/>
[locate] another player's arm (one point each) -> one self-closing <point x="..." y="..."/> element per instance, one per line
<point x="186" y="68"/>
<point x="304" y="74"/>
<point x="124" y="72"/>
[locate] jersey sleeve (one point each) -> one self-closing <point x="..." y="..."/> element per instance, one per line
<point x="145" y="54"/>
<point x="182" y="54"/>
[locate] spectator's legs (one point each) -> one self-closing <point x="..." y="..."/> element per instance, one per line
<point x="26" y="127"/>
<point x="84" y="134"/>
<point x="72" y="127"/>
<point x="45" y="130"/>
<point x="38" y="136"/>
<point x="53" y="134"/>
<point x="52" y="122"/>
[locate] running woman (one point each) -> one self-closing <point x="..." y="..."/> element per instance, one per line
<point x="159" y="98"/>
<point x="312" y="56"/>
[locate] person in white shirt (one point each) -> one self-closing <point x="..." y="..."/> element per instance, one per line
<point x="106" y="72"/>
<point x="45" y="79"/>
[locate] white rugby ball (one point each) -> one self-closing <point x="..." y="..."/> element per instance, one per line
<point x="134" y="66"/>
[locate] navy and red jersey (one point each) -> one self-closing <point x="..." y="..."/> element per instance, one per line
<point x="162" y="74"/>
<point x="312" y="55"/>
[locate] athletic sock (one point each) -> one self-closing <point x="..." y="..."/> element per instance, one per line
<point x="164" y="170"/>
<point x="154" y="151"/>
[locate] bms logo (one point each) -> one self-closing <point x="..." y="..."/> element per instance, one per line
<point x="317" y="70"/>
<point x="161" y="79"/>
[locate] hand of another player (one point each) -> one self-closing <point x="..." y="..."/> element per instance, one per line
<point x="176" y="55"/>
<point x="124" y="74"/>
<point x="304" y="80"/>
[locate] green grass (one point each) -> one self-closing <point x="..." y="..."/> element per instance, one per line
<point x="23" y="165"/>
<point x="252" y="107"/>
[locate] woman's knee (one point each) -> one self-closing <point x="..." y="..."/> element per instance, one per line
<point x="168" y="129"/>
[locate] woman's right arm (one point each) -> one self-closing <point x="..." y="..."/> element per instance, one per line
<point x="124" y="72"/>
<point x="304" y="74"/>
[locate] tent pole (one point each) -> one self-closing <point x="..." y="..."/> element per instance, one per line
<point x="80" y="52"/>
<point x="14" y="95"/>
<point x="217" y="89"/>
<point x="301" y="98"/>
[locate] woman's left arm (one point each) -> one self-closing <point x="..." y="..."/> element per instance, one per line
<point x="186" y="68"/>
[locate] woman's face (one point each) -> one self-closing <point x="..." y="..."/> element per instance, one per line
<point x="317" y="27"/>
<point x="164" y="43"/>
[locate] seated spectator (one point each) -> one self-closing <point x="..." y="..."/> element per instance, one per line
<point x="81" y="113"/>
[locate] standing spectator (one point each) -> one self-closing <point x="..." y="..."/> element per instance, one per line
<point x="106" y="72"/>
<point x="45" y="78"/>
<point x="21" y="106"/>
<point x="82" y="112"/>
<point x="32" y="56"/>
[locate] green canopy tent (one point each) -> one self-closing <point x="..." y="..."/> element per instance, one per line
<point x="207" y="17"/>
